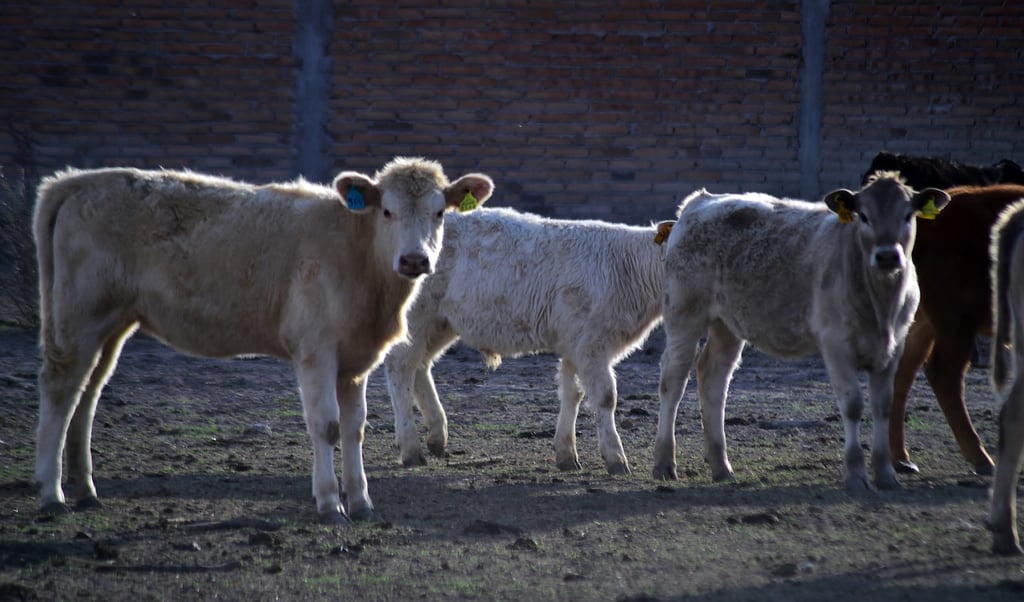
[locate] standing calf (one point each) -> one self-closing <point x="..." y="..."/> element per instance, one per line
<point x="317" y="276"/>
<point x="1008" y="311"/>
<point x="791" y="278"/>
<point x="951" y="256"/>
<point x="510" y="283"/>
<point x="954" y="273"/>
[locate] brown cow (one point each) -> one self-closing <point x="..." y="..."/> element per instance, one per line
<point x="1008" y="311"/>
<point x="317" y="276"/>
<point x="953" y="272"/>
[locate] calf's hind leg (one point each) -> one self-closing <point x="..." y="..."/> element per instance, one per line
<point x="681" y="341"/>
<point x="918" y="345"/>
<point x="1002" y="519"/>
<point x="79" y="435"/>
<point x="68" y="369"/>
<point x="717" y="362"/>
<point x="946" y="370"/>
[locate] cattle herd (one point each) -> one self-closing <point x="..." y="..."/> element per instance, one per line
<point x="393" y="269"/>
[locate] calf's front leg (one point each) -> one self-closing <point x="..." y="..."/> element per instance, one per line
<point x="880" y="385"/>
<point x="434" y="417"/>
<point x="600" y="390"/>
<point x="843" y="375"/>
<point x="352" y="415"/>
<point x="317" y="376"/>
<point x="401" y="379"/>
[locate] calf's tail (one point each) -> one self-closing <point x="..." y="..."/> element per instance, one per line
<point x="1006" y="233"/>
<point x="52" y="193"/>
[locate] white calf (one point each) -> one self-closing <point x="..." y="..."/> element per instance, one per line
<point x="510" y="283"/>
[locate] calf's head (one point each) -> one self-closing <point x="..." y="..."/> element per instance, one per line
<point x="883" y="213"/>
<point x="409" y="197"/>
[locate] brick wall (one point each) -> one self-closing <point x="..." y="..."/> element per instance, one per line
<point x="580" y="110"/>
<point x="147" y="83"/>
<point x="609" y="109"/>
<point x="934" y="78"/>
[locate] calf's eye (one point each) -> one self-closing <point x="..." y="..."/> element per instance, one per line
<point x="387" y="214"/>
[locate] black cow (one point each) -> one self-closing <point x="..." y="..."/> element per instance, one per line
<point x="935" y="172"/>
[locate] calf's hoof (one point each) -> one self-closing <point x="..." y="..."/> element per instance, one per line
<point x="618" y="468"/>
<point x="727" y="477"/>
<point x="1006" y="545"/>
<point x="54" y="509"/>
<point x="334" y="517"/>
<point x="568" y="464"/>
<point x="887" y="482"/>
<point x="88" y="503"/>
<point x="366" y="515"/>
<point x="438" y="450"/>
<point x="858" y="484"/>
<point x="665" y="473"/>
<point x="905" y="467"/>
<point x="413" y="461"/>
<point x="985" y="469"/>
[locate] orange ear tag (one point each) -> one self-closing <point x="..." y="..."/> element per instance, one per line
<point x="664" y="229"/>
<point x="845" y="215"/>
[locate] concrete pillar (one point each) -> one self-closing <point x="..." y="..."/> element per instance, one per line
<point x="313" y="30"/>
<point x="812" y="24"/>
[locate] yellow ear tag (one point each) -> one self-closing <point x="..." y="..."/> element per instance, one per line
<point x="468" y="203"/>
<point x="664" y="229"/>
<point x="929" y="211"/>
<point x="845" y="215"/>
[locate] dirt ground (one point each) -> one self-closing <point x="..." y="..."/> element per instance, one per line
<point x="204" y="469"/>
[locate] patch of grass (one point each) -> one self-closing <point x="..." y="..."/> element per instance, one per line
<point x="193" y="431"/>
<point x="488" y="427"/>
<point x="326" y="584"/>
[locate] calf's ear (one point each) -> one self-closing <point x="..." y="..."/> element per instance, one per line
<point x="358" y="191"/>
<point x="843" y="203"/>
<point x="468" y="192"/>
<point x="929" y="202"/>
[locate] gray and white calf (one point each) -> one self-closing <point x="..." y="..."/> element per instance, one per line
<point x="317" y="276"/>
<point x="1007" y="360"/>
<point x="792" y="278"/>
<point x="510" y="283"/>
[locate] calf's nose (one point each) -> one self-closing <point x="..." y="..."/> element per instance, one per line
<point x="888" y="259"/>
<point x="413" y="265"/>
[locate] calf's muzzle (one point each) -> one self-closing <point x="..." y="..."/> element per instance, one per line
<point x="888" y="258"/>
<point x="413" y="265"/>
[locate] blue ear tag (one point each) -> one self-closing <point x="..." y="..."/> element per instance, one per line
<point x="355" y="199"/>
